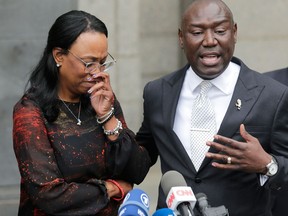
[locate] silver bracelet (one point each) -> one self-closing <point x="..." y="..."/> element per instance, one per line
<point x="115" y="131"/>
<point x="103" y="119"/>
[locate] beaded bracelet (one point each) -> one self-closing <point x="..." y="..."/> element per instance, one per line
<point x="105" y="118"/>
<point x="115" y="131"/>
<point x="120" y="189"/>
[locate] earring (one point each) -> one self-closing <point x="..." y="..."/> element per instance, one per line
<point x="58" y="65"/>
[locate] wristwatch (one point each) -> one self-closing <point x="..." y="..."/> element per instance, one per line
<point x="272" y="167"/>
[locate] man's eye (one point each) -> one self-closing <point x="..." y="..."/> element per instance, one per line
<point x="220" y="32"/>
<point x="197" y="33"/>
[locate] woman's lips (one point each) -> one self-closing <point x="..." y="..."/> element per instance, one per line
<point x="89" y="84"/>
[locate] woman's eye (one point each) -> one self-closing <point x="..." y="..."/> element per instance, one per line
<point x="91" y="65"/>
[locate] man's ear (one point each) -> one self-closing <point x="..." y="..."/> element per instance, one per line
<point x="57" y="55"/>
<point x="180" y="37"/>
<point x="235" y="32"/>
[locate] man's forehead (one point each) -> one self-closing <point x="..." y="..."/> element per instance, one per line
<point x="207" y="11"/>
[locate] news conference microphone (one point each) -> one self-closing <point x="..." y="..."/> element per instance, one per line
<point x="136" y="202"/>
<point x="179" y="197"/>
<point x="164" y="212"/>
<point x="205" y="208"/>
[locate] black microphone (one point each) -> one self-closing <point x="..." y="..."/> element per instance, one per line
<point x="180" y="197"/>
<point x="207" y="210"/>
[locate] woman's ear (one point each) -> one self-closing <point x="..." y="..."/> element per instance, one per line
<point x="57" y="55"/>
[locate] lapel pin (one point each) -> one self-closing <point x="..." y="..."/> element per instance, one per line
<point x="238" y="104"/>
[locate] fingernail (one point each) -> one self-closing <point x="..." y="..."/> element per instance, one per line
<point x="89" y="91"/>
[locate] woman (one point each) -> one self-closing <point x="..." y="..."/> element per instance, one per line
<point x="75" y="154"/>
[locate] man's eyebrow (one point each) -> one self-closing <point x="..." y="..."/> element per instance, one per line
<point x="203" y="25"/>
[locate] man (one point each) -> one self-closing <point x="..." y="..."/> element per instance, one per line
<point x="279" y="197"/>
<point x="247" y="155"/>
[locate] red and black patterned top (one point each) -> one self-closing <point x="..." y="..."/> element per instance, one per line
<point x="63" y="165"/>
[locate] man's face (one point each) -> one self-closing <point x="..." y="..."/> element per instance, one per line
<point x="208" y="37"/>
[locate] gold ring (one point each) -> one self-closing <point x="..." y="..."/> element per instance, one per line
<point x="229" y="160"/>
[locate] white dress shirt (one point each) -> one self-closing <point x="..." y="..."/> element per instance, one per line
<point x="220" y="95"/>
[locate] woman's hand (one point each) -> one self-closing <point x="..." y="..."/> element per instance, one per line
<point x="101" y="94"/>
<point x="114" y="191"/>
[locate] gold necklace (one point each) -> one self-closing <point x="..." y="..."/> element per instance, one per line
<point x="79" y="112"/>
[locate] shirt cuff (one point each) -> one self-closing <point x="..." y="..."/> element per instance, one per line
<point x="263" y="179"/>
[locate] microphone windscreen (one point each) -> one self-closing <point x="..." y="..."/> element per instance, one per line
<point x="164" y="212"/>
<point x="202" y="201"/>
<point x="136" y="202"/>
<point x="200" y="195"/>
<point x="171" y="179"/>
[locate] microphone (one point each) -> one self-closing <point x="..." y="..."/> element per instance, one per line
<point x="136" y="202"/>
<point x="164" y="212"/>
<point x="206" y="210"/>
<point x="180" y="197"/>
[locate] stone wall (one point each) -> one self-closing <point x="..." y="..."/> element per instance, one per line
<point x="262" y="33"/>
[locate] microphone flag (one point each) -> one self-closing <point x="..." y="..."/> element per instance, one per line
<point x="135" y="203"/>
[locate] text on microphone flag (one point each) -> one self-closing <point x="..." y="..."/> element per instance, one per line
<point x="181" y="194"/>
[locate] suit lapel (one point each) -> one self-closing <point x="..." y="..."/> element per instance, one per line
<point x="171" y="90"/>
<point x="236" y="115"/>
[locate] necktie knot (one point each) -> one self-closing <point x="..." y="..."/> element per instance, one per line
<point x="205" y="87"/>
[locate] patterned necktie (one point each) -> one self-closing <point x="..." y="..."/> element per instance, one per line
<point x="203" y="125"/>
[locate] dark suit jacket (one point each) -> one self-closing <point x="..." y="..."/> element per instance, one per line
<point x="280" y="75"/>
<point x="264" y="113"/>
<point x="279" y="197"/>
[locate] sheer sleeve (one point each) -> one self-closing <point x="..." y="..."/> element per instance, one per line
<point x="127" y="160"/>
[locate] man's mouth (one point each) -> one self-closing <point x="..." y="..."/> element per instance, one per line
<point x="210" y="59"/>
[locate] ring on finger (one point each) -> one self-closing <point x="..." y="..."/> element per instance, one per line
<point x="229" y="160"/>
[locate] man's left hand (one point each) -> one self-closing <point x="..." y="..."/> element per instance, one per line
<point x="248" y="156"/>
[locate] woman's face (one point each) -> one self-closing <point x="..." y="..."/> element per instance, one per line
<point x="73" y="80"/>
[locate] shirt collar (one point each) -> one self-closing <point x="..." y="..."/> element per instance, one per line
<point x="225" y="82"/>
